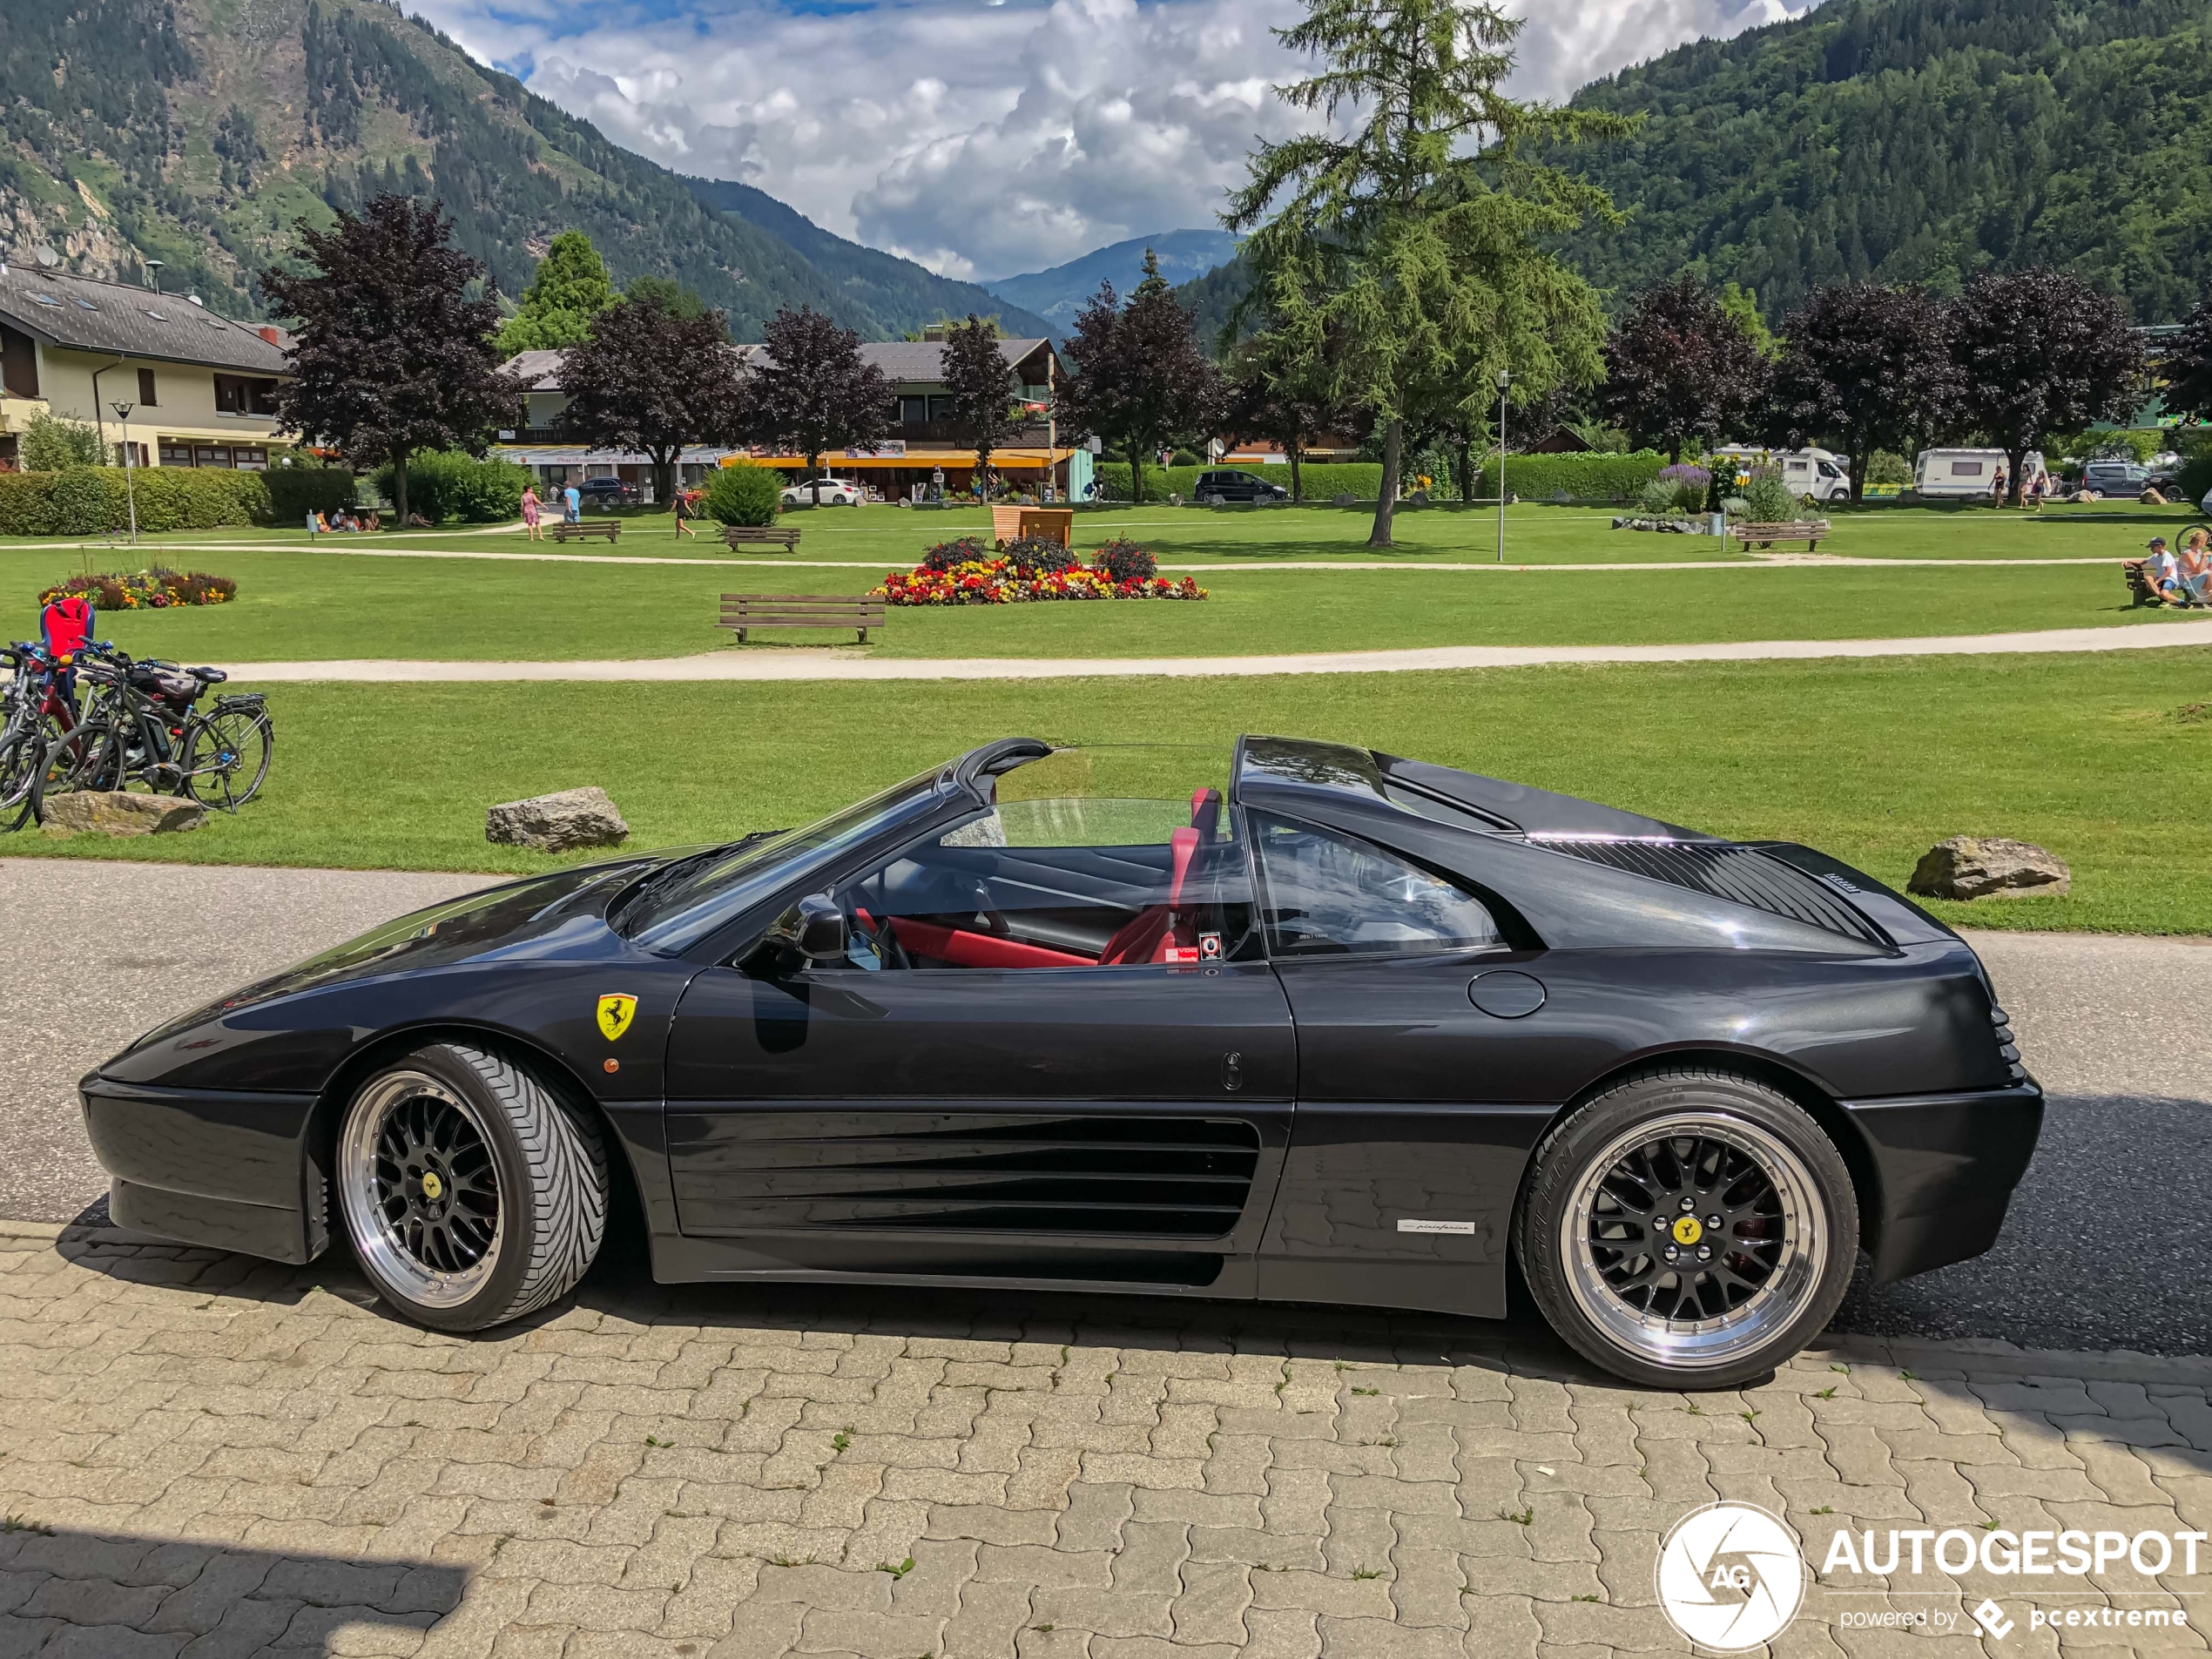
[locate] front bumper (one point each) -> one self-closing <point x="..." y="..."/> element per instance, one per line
<point x="1947" y="1166"/>
<point x="207" y="1167"/>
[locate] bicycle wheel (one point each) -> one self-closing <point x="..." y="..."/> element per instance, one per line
<point x="89" y="757"/>
<point x="226" y="757"/>
<point x="20" y="750"/>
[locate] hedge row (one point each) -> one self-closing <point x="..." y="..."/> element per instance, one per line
<point x="87" y="501"/>
<point x="1578" y="477"/>
<point x="1317" y="481"/>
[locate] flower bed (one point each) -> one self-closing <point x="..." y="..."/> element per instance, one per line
<point x="1005" y="582"/>
<point x="155" y="589"/>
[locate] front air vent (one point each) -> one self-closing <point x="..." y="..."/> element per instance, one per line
<point x="1126" y="1177"/>
<point x="2007" y="1046"/>
<point x="1741" y="874"/>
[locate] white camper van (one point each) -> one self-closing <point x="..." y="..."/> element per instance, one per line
<point x="1821" y="474"/>
<point x="1960" y="474"/>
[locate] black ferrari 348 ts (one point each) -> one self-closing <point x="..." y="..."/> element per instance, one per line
<point x="1318" y="1024"/>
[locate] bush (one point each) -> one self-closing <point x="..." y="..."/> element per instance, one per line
<point x="1767" y="500"/>
<point x="89" y="500"/>
<point x="1122" y="560"/>
<point x="52" y="444"/>
<point x="1319" y="481"/>
<point x="744" y="494"/>
<point x="296" y="491"/>
<point x="83" y="504"/>
<point x="443" y="484"/>
<point x="967" y="549"/>
<point x="154" y="589"/>
<point x="1186" y="458"/>
<point x="1038" y="556"/>
<point x="1660" y="499"/>
<point x="1887" y="467"/>
<point x="1576" y="478"/>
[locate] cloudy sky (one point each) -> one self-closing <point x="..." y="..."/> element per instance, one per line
<point x="982" y="138"/>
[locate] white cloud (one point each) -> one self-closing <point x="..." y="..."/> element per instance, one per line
<point x="978" y="137"/>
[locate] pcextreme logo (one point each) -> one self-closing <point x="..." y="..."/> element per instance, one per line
<point x="1731" y="1576"/>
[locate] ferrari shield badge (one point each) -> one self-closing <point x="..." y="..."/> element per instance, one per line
<point x="617" y="1009"/>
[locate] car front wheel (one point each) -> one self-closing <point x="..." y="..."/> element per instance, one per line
<point x="472" y="1192"/>
<point x="1689" y="1228"/>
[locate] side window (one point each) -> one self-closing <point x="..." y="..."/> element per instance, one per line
<point x="1089" y="882"/>
<point x="1324" y="893"/>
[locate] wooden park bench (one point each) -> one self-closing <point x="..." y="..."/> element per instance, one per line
<point x="1809" y="531"/>
<point x="605" y="529"/>
<point x="2139" y="591"/>
<point x="746" y="611"/>
<point x="756" y="535"/>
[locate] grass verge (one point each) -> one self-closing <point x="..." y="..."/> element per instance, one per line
<point x="2102" y="758"/>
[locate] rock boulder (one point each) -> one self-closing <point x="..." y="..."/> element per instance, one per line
<point x="87" y="810"/>
<point x="557" y="823"/>
<point x="1971" y="867"/>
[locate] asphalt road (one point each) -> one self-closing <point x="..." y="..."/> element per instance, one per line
<point x="2108" y="1244"/>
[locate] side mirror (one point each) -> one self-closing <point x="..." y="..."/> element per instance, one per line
<point x="812" y="930"/>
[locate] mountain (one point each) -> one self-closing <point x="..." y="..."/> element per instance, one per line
<point x="899" y="294"/>
<point x="195" y="132"/>
<point x="1064" y="290"/>
<point x="1919" y="140"/>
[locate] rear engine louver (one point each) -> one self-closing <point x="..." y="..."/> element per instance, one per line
<point x="1133" y="1177"/>
<point x="1742" y="874"/>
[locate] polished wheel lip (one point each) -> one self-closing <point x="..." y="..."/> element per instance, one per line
<point x="371" y="1232"/>
<point x="1700" y="1345"/>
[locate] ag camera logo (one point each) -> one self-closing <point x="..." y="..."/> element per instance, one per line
<point x="1731" y="1576"/>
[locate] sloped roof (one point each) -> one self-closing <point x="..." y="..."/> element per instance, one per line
<point x="82" y="314"/>
<point x="908" y="360"/>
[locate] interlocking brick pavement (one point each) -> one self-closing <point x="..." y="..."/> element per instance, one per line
<point x="206" y="1455"/>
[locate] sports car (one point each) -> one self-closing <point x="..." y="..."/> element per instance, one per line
<point x="1299" y="1020"/>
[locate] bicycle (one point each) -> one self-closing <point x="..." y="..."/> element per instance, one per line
<point x="140" y="724"/>
<point x="38" y="707"/>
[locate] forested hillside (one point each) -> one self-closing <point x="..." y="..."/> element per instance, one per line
<point x="1921" y="139"/>
<point x="194" y="132"/>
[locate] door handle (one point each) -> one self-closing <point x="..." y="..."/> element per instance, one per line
<point x="1233" y="1071"/>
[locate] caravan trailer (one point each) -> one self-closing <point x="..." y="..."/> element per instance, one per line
<point x="1963" y="475"/>
<point x="1820" y="473"/>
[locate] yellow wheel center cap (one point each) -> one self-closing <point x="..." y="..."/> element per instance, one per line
<point x="433" y="1188"/>
<point x="1688" y="1231"/>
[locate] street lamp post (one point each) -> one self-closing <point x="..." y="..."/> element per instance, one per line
<point x="129" y="487"/>
<point x="1505" y="380"/>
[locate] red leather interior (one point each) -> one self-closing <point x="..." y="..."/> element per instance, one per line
<point x="966" y="949"/>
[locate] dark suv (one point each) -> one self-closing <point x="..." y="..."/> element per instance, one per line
<point x="1215" y="488"/>
<point x="609" y="492"/>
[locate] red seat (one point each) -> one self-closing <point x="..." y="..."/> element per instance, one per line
<point x="1157" y="934"/>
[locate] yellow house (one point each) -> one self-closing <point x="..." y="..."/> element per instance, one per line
<point x="199" y="390"/>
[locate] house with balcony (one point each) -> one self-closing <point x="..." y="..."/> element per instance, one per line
<point x="922" y="441"/>
<point x="200" y="389"/>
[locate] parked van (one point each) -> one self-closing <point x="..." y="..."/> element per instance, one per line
<point x="1960" y="474"/>
<point x="1821" y="474"/>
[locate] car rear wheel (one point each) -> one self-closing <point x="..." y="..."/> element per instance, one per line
<point x="1689" y="1228"/>
<point x="473" y="1192"/>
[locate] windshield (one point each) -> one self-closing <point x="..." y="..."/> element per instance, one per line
<point x="703" y="899"/>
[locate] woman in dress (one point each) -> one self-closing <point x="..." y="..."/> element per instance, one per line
<point x="530" y="505"/>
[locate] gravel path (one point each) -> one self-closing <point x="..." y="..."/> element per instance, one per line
<point x="808" y="663"/>
<point x="2108" y="1223"/>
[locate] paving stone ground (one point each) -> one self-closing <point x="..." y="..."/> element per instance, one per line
<point x="203" y="1454"/>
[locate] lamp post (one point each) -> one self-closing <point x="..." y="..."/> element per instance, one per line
<point x="153" y="274"/>
<point x="129" y="487"/>
<point x="1505" y="380"/>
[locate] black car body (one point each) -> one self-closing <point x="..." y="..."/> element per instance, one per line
<point x="1320" y="1066"/>
<point x="610" y="491"/>
<point x="1228" y="484"/>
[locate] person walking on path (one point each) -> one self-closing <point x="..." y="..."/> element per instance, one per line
<point x="572" y="505"/>
<point x="1997" y="486"/>
<point x="687" y="506"/>
<point x="532" y="508"/>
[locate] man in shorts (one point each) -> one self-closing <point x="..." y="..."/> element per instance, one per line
<point x="572" y="505"/>
<point x="2162" y="573"/>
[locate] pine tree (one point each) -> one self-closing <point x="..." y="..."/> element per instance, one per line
<point x="1422" y="238"/>
<point x="570" y="288"/>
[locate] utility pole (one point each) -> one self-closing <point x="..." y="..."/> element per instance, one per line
<point x="129" y="486"/>
<point x="1505" y="380"/>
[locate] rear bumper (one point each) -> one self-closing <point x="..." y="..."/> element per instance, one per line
<point x="1946" y="1166"/>
<point x="204" y="1167"/>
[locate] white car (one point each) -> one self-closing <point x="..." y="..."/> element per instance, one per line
<point x="835" y="492"/>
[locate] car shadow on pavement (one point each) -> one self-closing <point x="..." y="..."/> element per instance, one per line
<point x="81" y="1592"/>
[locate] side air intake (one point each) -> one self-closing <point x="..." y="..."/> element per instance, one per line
<point x="1741" y="874"/>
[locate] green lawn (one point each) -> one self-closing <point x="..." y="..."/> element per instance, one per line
<point x="1536" y="534"/>
<point x="2103" y="759"/>
<point x="295" y="605"/>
